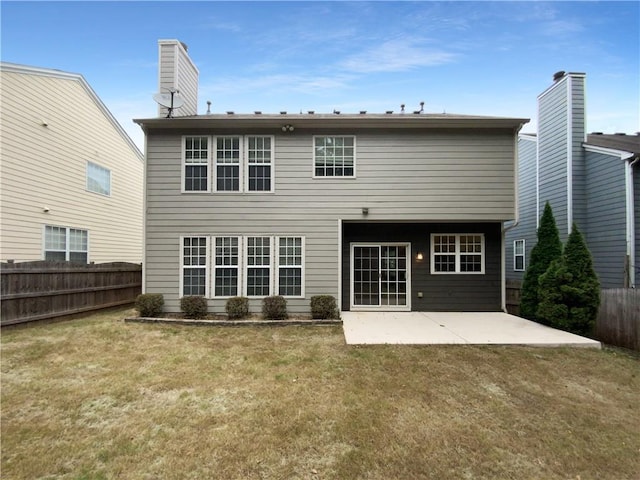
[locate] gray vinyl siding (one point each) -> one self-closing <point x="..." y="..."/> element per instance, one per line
<point x="578" y="136"/>
<point x="527" y="225"/>
<point x="462" y="176"/>
<point x="552" y="152"/>
<point x="636" y="207"/>
<point x="459" y="292"/>
<point x="606" y="226"/>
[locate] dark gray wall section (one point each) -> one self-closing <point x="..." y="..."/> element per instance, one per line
<point x="606" y="224"/>
<point x="440" y="292"/>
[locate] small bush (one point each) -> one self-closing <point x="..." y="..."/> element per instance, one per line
<point x="274" y="308"/>
<point x="324" y="307"/>
<point x="193" y="306"/>
<point x="237" y="307"/>
<point x="150" y="304"/>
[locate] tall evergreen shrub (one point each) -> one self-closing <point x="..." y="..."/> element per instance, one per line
<point x="569" y="291"/>
<point x="547" y="249"/>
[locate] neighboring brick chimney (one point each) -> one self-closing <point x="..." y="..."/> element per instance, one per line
<point x="177" y="72"/>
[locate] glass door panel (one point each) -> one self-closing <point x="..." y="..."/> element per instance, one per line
<point x="366" y="276"/>
<point x="380" y="276"/>
<point x="393" y="275"/>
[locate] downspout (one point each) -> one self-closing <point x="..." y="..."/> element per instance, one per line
<point x="631" y="227"/>
<point x="339" y="295"/>
<point x="144" y="211"/>
<point x="516" y="221"/>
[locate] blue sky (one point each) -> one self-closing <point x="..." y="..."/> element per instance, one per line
<point x="476" y="58"/>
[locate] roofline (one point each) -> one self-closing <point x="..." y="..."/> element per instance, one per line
<point x="614" y="152"/>
<point x="528" y="136"/>
<point x="49" y="72"/>
<point x="389" y="121"/>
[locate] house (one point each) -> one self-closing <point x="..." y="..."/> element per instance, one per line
<point x="71" y="178"/>
<point x="590" y="179"/>
<point x="390" y="211"/>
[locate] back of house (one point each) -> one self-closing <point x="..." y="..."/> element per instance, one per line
<point x="389" y="211"/>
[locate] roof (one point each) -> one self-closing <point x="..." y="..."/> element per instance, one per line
<point x="618" y="141"/>
<point x="332" y="120"/>
<point x="48" y="72"/>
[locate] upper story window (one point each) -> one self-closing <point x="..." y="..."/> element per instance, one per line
<point x="244" y="164"/>
<point x="259" y="153"/>
<point x="228" y="164"/>
<point x="518" y="255"/>
<point x="64" y="244"/>
<point x="98" y="179"/>
<point x="196" y="164"/>
<point x="334" y="156"/>
<point x="239" y="164"/>
<point x="455" y="253"/>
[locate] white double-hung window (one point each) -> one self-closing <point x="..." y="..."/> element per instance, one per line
<point x="334" y="156"/>
<point x="518" y="255"/>
<point x="194" y="265"/>
<point x="457" y="253"/>
<point x="195" y="159"/>
<point x="290" y="266"/>
<point x="64" y="244"/>
<point x="251" y="266"/>
<point x="98" y="179"/>
<point x="244" y="164"/>
<point x="226" y="268"/>
<point x="258" y="266"/>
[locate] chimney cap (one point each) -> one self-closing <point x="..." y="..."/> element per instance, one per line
<point x="558" y="75"/>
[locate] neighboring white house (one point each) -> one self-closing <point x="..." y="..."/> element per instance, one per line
<point x="71" y="179"/>
<point x="389" y="211"/>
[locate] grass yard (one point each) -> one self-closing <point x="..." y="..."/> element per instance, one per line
<point x="97" y="398"/>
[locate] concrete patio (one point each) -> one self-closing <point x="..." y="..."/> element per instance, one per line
<point x="454" y="328"/>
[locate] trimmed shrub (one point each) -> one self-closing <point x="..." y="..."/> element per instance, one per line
<point x="546" y="250"/>
<point x="237" y="307"/>
<point x="194" y="306"/>
<point x="150" y="304"/>
<point x="570" y="290"/>
<point x="274" y="308"/>
<point x="324" y="307"/>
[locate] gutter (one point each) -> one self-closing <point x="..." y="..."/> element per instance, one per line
<point x="631" y="227"/>
<point x="516" y="221"/>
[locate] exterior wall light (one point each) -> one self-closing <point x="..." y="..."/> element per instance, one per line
<point x="419" y="256"/>
<point x="365" y="211"/>
<point x="288" y="128"/>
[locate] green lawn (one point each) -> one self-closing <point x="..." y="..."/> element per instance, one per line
<point x="97" y="398"/>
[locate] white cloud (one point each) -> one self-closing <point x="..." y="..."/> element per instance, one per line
<point x="397" y="55"/>
<point x="277" y="83"/>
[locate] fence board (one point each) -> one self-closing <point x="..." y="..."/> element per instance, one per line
<point x="619" y="318"/>
<point x="40" y="290"/>
<point x="618" y="321"/>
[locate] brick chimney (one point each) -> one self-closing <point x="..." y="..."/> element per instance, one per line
<point x="177" y="72"/>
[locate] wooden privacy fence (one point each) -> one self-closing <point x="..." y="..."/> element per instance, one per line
<point x="618" y="320"/>
<point x="513" y="293"/>
<point x="41" y="290"/>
